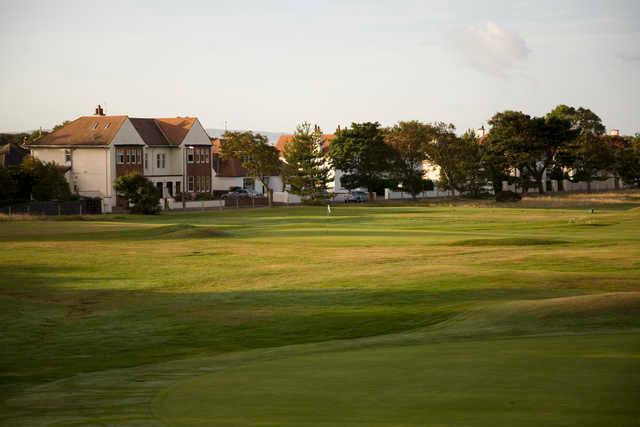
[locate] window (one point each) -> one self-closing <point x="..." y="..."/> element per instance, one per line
<point x="139" y="155"/>
<point x="164" y="158"/>
<point x="177" y="187"/>
<point x="191" y="183"/>
<point x="146" y="160"/>
<point x="207" y="154"/>
<point x="158" y="160"/>
<point x="67" y="155"/>
<point x="134" y="155"/>
<point x="95" y="125"/>
<point x="106" y="125"/>
<point x="120" y="156"/>
<point x="190" y="155"/>
<point x="247" y="183"/>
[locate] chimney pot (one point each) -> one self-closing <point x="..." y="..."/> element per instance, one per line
<point x="99" y="110"/>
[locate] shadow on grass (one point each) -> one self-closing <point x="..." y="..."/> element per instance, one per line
<point x="52" y="329"/>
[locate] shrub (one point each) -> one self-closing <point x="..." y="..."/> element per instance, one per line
<point x="142" y="196"/>
<point x="507" y="196"/>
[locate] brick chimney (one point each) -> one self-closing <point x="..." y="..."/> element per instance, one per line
<point x="99" y="110"/>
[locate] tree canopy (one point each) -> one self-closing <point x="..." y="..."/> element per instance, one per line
<point x="307" y="169"/>
<point x="409" y="141"/>
<point x="259" y="158"/>
<point x="361" y="153"/>
<point x="142" y="196"/>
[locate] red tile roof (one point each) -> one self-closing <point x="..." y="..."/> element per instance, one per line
<point x="87" y="130"/>
<point x="100" y="130"/>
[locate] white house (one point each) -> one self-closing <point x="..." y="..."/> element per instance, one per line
<point x="174" y="153"/>
<point x="229" y="173"/>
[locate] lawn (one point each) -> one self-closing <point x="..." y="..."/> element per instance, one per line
<point x="376" y="315"/>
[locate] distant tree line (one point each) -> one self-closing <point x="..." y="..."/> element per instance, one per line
<point x="566" y="144"/>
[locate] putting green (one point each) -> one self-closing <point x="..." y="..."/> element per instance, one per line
<point x="574" y="380"/>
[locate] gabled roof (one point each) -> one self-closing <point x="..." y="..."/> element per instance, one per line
<point x="285" y="139"/>
<point x="176" y="128"/>
<point x="150" y="132"/>
<point x="100" y="131"/>
<point x="86" y="130"/>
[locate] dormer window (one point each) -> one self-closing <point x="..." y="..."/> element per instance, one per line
<point x="95" y="126"/>
<point x="106" y="125"/>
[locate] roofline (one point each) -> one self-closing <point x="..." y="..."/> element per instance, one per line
<point x="69" y="146"/>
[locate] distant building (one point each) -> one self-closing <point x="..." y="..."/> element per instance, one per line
<point x="229" y="173"/>
<point x="174" y="153"/>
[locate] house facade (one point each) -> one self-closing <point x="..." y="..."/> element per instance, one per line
<point x="229" y="173"/>
<point x="174" y="153"/>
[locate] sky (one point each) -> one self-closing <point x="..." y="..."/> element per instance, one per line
<point x="269" y="65"/>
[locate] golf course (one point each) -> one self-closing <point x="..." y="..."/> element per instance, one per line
<point x="455" y="313"/>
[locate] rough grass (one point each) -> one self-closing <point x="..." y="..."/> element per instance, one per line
<point x="100" y="316"/>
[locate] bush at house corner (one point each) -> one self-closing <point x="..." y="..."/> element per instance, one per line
<point x="142" y="196"/>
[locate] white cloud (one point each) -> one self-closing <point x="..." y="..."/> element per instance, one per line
<point x="490" y="49"/>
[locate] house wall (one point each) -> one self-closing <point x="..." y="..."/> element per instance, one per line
<point x="49" y="154"/>
<point x="198" y="137"/>
<point x="224" y="183"/>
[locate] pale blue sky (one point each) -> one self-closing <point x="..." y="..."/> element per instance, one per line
<point x="272" y="64"/>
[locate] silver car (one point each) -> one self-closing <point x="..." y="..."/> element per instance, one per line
<point x="357" y="197"/>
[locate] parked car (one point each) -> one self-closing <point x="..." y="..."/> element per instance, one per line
<point x="357" y="197"/>
<point x="241" y="193"/>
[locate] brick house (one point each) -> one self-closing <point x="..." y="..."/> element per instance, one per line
<point x="174" y="153"/>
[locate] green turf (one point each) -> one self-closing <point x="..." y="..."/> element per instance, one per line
<point x="139" y="304"/>
<point x="550" y="381"/>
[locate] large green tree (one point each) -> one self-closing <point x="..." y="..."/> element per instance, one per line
<point x="259" y="158"/>
<point x="409" y="141"/>
<point x="42" y="181"/>
<point x="361" y="153"/>
<point x="627" y="159"/>
<point x="460" y="160"/>
<point x="306" y="170"/>
<point x="530" y="144"/>
<point x="585" y="154"/>
<point x="142" y="196"/>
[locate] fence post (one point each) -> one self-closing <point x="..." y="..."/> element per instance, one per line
<point x="58" y="209"/>
<point x="253" y="202"/>
<point x="237" y="203"/>
<point x="80" y="208"/>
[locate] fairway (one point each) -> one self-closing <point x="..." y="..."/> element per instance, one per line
<point x="390" y="315"/>
<point x="577" y="380"/>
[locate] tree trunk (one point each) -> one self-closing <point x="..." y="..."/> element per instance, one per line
<point x="270" y="197"/>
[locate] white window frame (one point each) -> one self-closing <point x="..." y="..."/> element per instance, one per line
<point x="164" y="159"/>
<point x="120" y="156"/>
<point x="157" y="160"/>
<point x="146" y="160"/>
<point x="190" y="156"/>
<point x="191" y="183"/>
